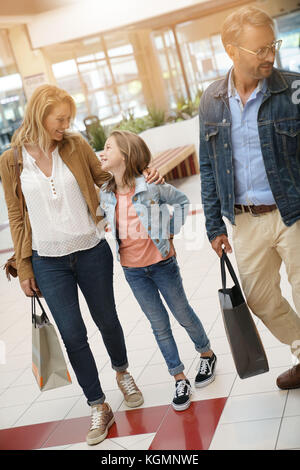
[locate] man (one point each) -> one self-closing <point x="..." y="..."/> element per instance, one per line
<point x="250" y="173"/>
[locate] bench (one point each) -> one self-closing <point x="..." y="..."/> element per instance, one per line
<point x="177" y="162"/>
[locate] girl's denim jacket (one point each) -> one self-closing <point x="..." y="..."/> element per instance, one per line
<point x="152" y="204"/>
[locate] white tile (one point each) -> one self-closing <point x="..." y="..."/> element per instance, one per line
<point x="155" y="395"/>
<point x="268" y="340"/>
<point x="250" y="435"/>
<point x="14" y="396"/>
<point x="8" y="416"/>
<point x="72" y="390"/>
<point x="25" y="378"/>
<point x="137" y="442"/>
<point x="154" y="374"/>
<point x="140" y="358"/>
<point x="293" y="403"/>
<point x="15" y="363"/>
<point x="107" y="444"/>
<point x="8" y="378"/>
<point x="218" y="389"/>
<point x="220" y="345"/>
<point x="23" y="347"/>
<point x="144" y="341"/>
<point x="258" y="384"/>
<point x="289" y="436"/>
<point x="254" y="407"/>
<point x="280" y="356"/>
<point x="46" y="411"/>
<point x="218" y="329"/>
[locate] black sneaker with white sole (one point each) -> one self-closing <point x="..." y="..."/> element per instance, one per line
<point x="206" y="371"/>
<point x="181" y="400"/>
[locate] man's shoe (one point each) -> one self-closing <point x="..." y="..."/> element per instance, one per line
<point x="206" y="371"/>
<point x="132" y="395"/>
<point x="181" y="400"/>
<point x="289" y="379"/>
<point x="102" y="419"/>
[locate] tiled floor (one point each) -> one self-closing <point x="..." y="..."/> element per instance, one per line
<point x="229" y="414"/>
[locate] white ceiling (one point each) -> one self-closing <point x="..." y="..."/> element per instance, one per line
<point x="31" y="7"/>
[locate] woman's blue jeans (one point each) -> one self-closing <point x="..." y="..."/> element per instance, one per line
<point x="58" y="279"/>
<point x="164" y="277"/>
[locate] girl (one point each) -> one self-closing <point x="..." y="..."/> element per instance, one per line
<point x="60" y="244"/>
<point x="140" y="221"/>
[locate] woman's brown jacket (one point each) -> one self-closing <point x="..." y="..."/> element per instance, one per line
<point x="85" y="166"/>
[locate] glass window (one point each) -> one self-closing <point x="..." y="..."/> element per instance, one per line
<point x="12" y="97"/>
<point x="124" y="69"/>
<point x="122" y="50"/>
<point x="288" y="27"/>
<point x="222" y="60"/>
<point x="204" y="59"/>
<point x="170" y="66"/>
<point x="66" y="75"/>
<point x="106" y="82"/>
<point x="95" y="76"/>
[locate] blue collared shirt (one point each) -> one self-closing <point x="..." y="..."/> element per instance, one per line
<point x="250" y="179"/>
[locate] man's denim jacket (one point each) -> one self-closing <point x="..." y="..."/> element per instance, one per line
<point x="279" y="132"/>
<point x="151" y="203"/>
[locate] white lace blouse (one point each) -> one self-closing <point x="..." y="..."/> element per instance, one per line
<point x="60" y="220"/>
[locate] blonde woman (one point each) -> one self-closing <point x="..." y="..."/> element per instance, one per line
<point x="60" y="243"/>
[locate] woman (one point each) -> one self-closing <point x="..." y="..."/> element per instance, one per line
<point x="60" y="243"/>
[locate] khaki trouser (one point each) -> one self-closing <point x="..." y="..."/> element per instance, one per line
<point x="261" y="244"/>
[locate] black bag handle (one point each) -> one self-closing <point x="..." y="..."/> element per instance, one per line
<point x="44" y="317"/>
<point x="225" y="260"/>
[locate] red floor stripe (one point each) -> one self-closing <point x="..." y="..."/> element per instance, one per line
<point x="7" y="250"/>
<point x="26" y="437"/>
<point x="127" y="423"/>
<point x="190" y="429"/>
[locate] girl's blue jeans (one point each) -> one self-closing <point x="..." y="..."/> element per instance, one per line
<point x="164" y="277"/>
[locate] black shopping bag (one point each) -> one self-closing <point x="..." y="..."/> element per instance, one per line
<point x="244" y="340"/>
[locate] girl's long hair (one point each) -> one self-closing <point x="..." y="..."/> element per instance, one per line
<point x="41" y="103"/>
<point x="137" y="157"/>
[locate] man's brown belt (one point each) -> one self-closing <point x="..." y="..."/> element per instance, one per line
<point x="255" y="210"/>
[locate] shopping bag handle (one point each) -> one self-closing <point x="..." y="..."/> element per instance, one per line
<point x="44" y="316"/>
<point x="225" y="260"/>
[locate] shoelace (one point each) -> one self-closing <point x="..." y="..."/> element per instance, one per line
<point x="96" y="418"/>
<point x="202" y="366"/>
<point x="128" y="383"/>
<point x="180" y="388"/>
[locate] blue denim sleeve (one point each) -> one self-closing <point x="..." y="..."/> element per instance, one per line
<point x="210" y="200"/>
<point x="180" y="203"/>
<point x="100" y="209"/>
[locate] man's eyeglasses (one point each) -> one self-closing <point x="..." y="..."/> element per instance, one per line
<point x="264" y="51"/>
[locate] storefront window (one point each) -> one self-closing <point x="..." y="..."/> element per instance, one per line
<point x="105" y="83"/>
<point x="204" y="59"/>
<point x="66" y="75"/>
<point x="288" y="27"/>
<point x="170" y="66"/>
<point x="12" y="98"/>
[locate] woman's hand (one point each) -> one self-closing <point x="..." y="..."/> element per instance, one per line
<point x="152" y="175"/>
<point x="29" y="286"/>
